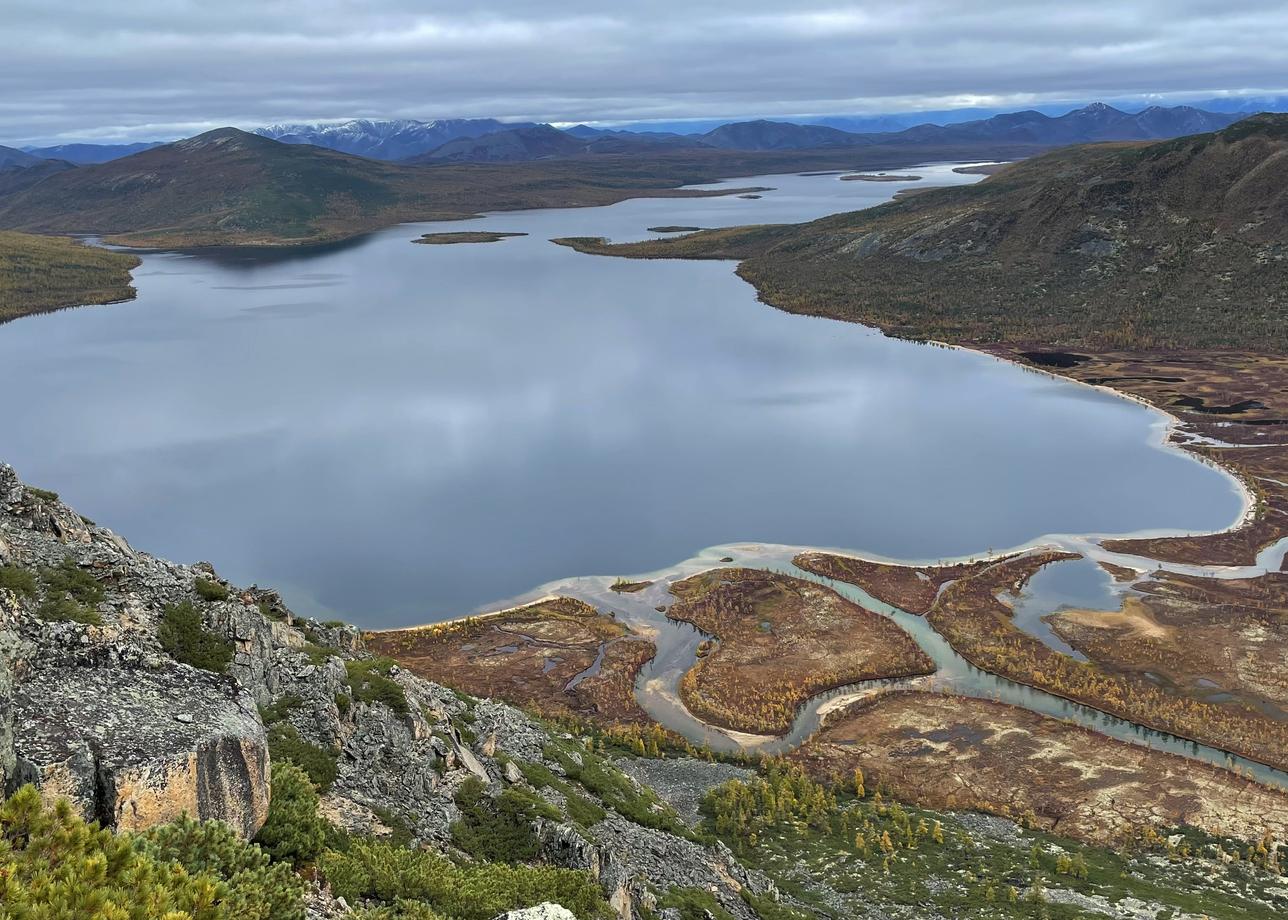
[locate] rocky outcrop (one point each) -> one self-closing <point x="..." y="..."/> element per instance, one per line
<point x="105" y="717"/>
<point x="545" y="911"/>
<point x="101" y="714"/>
<point x="8" y="760"/>
<point x="135" y="747"/>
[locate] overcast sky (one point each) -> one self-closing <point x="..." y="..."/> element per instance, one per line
<point x="141" y="69"/>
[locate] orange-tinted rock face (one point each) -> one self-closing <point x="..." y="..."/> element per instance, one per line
<point x="136" y="747"/>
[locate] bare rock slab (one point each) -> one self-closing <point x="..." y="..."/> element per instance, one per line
<point x="133" y="748"/>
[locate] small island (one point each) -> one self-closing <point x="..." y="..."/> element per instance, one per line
<point x="674" y="229"/>
<point x="879" y="177"/>
<point x="465" y="236"/>
<point x="985" y="169"/>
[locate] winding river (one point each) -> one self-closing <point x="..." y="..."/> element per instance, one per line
<point x="657" y="688"/>
<point x="395" y="433"/>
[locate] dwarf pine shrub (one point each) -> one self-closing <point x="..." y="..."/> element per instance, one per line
<point x="183" y="636"/>
<point x="54" y="864"/>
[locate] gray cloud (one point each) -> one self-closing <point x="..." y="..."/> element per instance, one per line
<point x="163" y="68"/>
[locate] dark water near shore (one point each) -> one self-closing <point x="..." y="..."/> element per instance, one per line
<point x="396" y="433"/>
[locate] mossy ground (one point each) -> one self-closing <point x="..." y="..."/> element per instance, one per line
<point x="988" y="868"/>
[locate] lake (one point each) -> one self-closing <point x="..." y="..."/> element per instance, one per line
<point x="395" y="433"/>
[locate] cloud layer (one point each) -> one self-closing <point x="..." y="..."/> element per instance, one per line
<point x="163" y="68"/>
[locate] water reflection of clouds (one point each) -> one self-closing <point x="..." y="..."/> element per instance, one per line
<point x="458" y="424"/>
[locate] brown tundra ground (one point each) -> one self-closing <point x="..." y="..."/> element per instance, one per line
<point x="542" y="655"/>
<point x="969" y="613"/>
<point x="959" y="753"/>
<point x="1205" y="638"/>
<point x="781" y="640"/>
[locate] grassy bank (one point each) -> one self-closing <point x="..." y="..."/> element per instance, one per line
<point x="39" y="274"/>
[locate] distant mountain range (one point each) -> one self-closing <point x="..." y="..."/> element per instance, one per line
<point x="526" y="142"/>
<point x="779" y="135"/>
<point x="1097" y="122"/>
<point x="387" y="140"/>
<point x="233" y="186"/>
<point x="540" y="142"/>
<point x="17" y="159"/>
<point x="19" y="169"/>
<point x="491" y="140"/>
<point x="84" y="154"/>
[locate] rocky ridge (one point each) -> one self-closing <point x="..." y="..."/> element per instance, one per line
<point x="104" y="715"/>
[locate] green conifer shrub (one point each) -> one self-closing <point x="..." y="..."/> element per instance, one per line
<point x="56" y="866"/>
<point x="183" y="636"/>
<point x="210" y="590"/>
<point x="393" y="876"/>
<point x="294" y="830"/>
<point x="259" y="889"/>
<point x="500" y="829"/>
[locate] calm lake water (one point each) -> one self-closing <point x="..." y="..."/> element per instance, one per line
<point x="396" y="433"/>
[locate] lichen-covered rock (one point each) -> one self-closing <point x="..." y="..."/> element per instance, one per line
<point x="634" y="857"/>
<point x="7" y="757"/>
<point x="134" y="748"/>
<point x="513" y="732"/>
<point x="546" y="911"/>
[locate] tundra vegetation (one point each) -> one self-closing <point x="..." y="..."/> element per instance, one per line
<point x="560" y="657"/>
<point x="838" y="848"/>
<point x="912" y="588"/>
<point x="1207" y="638"/>
<point x="968" y="613"/>
<point x="39" y="274"/>
<point x="781" y="641"/>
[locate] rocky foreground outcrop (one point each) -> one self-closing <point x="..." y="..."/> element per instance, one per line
<point x="101" y="714"/>
<point x="100" y="736"/>
<point x="95" y="709"/>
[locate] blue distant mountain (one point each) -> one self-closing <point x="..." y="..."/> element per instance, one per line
<point x="85" y="154"/>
